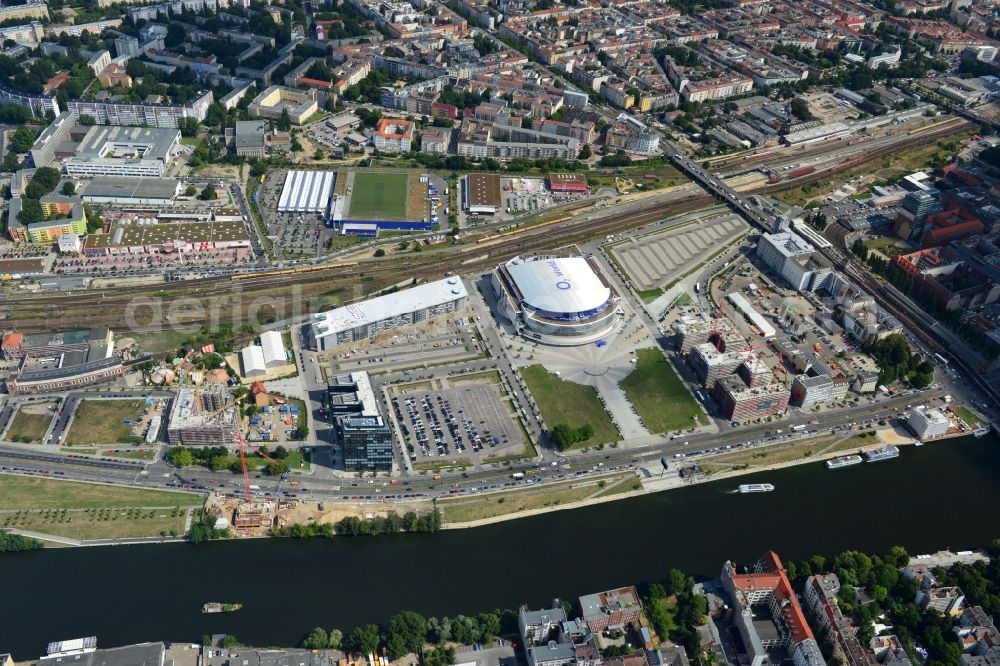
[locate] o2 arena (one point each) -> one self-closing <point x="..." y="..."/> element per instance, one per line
<point x="557" y="300"/>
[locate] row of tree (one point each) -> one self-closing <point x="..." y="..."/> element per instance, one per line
<point x="409" y="632"/>
<point x="391" y="523"/>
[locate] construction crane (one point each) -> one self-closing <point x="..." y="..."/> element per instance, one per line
<point x="715" y="335"/>
<point x="239" y="440"/>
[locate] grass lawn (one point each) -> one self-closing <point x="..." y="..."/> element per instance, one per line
<point x="573" y="404"/>
<point x="966" y="415"/>
<point x="464" y="510"/>
<point x="379" y="196"/>
<point x="659" y="396"/>
<point x="99" y="523"/>
<point x="31" y="427"/>
<point x="161" y="341"/>
<point x="148" y="454"/>
<point x="443" y="463"/>
<point x="776" y="454"/>
<point x="102" y="421"/>
<point x="888" y="246"/>
<point x="344" y="242"/>
<point x="22" y="492"/>
<point x="649" y="295"/>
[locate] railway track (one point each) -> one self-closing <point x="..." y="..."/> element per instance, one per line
<point x="296" y="288"/>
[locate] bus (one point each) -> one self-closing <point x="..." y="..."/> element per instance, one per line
<point x="941" y="359"/>
<point x="797" y="428"/>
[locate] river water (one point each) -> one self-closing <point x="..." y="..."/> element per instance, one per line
<point x="945" y="494"/>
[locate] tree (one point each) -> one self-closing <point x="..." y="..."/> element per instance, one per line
<point x="11" y="162"/>
<point x="180" y="456"/>
<point x="440" y="656"/>
<point x="280" y="452"/>
<point x="317" y="639"/>
<point x="405" y="634"/>
<point x="22" y="138"/>
<point x="585" y="152"/>
<point x="190" y="191"/>
<point x="285" y="122"/>
<point x="363" y="639"/>
<point x="336" y="639"/>
<point x="209" y="194"/>
<point x="69" y="188"/>
<point x="320" y="155"/>
<point x="87" y="120"/>
<point x="379" y="252"/>
<point x="188" y="126"/>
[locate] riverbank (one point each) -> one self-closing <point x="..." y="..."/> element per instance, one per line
<point x="650" y="482"/>
<point x="693" y="528"/>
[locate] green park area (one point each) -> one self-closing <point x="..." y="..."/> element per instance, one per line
<point x="90" y="510"/>
<point x="658" y="395"/>
<point x="31" y="422"/>
<point x="379" y="196"/>
<point x="103" y="422"/>
<point x="968" y="416"/>
<point x="565" y="403"/>
<point x="467" y="509"/>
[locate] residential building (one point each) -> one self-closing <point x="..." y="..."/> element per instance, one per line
<point x="435" y="140"/>
<point x="140" y="114"/>
<point x="821" y="595"/>
<point x="393" y="135"/>
<point x="30" y="9"/>
<point x="945" y="600"/>
<point x="613" y="609"/>
<point x="766" y="592"/>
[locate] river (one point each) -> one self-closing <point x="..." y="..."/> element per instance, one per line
<point x="945" y="494"/>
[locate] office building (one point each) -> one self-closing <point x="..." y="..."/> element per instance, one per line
<point x="792" y="257"/>
<point x="926" y="423"/>
<point x="250" y="136"/>
<point x="300" y="104"/>
<point x="376" y="315"/>
<point x="124" y="151"/>
<point x="363" y="432"/>
<point x="811" y="390"/>
<point x="744" y="404"/>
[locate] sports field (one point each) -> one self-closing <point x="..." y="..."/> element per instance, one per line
<point x="379" y="196"/>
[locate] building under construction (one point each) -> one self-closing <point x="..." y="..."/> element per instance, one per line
<point x="202" y="416"/>
<point x="253" y="514"/>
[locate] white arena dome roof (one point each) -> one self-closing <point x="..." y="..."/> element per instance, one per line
<point x="562" y="285"/>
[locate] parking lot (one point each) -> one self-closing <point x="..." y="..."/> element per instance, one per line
<point x="294" y="235"/>
<point x="651" y="260"/>
<point x="468" y="421"/>
<point x="436" y="341"/>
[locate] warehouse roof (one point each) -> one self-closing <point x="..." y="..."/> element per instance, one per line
<point x="484" y="189"/>
<point x="130" y="235"/>
<point x="306" y="191"/>
<point x="132" y="188"/>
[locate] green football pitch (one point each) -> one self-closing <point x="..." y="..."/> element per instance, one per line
<point x="378" y="196"/>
